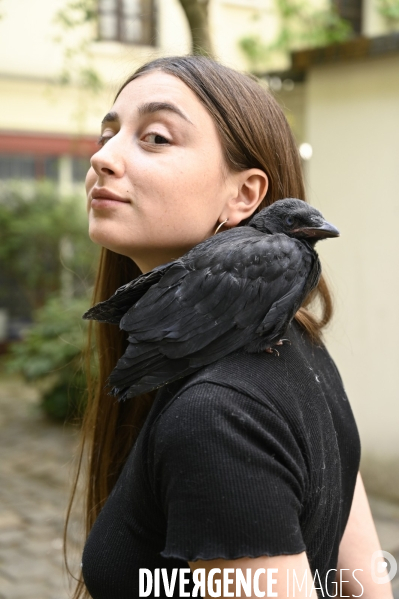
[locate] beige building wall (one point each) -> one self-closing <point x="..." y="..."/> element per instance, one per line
<point x="30" y="53"/>
<point x="352" y="122"/>
<point x="232" y="20"/>
<point x="373" y="23"/>
<point x="31" y="60"/>
<point x="28" y="44"/>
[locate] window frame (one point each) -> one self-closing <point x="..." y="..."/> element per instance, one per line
<point x="146" y="17"/>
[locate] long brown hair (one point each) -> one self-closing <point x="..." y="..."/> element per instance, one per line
<point x="254" y="134"/>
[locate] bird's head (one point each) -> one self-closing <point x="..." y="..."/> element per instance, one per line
<point x="294" y="218"/>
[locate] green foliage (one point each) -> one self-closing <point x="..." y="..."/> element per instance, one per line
<point x="51" y="356"/>
<point x="91" y="79"/>
<point x="254" y="49"/>
<point x="77" y="13"/>
<point x="389" y="9"/>
<point x="54" y="340"/>
<point x="33" y="223"/>
<point x="301" y="25"/>
<point x="77" y="24"/>
<point x="65" y="402"/>
<point x="46" y="253"/>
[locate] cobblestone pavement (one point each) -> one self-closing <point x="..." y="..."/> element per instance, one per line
<point x="35" y="471"/>
<point x="386" y="518"/>
<point x="35" y="474"/>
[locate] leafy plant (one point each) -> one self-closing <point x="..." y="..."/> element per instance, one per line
<point x="51" y="356"/>
<point x="36" y="224"/>
<point x="254" y="49"/>
<point x="76" y="22"/>
<point x="301" y="25"/>
<point x="389" y="9"/>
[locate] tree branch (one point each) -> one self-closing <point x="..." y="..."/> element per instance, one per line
<point x="196" y="12"/>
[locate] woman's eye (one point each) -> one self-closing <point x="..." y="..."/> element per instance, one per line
<point x="156" y="139"/>
<point x="103" y="139"/>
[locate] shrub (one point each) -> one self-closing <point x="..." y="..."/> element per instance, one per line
<point x="45" y="248"/>
<point x="50" y="355"/>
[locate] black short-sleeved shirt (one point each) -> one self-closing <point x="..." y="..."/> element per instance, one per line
<point x="253" y="455"/>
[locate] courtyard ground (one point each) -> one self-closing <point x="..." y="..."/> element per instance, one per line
<point x="35" y="475"/>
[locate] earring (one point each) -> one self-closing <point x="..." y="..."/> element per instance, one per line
<point x="221" y="225"/>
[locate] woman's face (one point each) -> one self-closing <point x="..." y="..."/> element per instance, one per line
<point x="158" y="184"/>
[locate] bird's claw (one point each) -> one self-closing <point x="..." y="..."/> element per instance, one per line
<point x="272" y="350"/>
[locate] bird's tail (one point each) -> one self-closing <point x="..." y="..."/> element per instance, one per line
<point x="143" y="369"/>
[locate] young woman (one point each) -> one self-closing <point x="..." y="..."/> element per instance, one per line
<point x="252" y="462"/>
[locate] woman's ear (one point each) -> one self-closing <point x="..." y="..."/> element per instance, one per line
<point x="252" y="186"/>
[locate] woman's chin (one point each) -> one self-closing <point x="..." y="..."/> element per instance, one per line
<point x="108" y="242"/>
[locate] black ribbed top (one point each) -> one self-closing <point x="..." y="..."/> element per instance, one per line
<point x="252" y="455"/>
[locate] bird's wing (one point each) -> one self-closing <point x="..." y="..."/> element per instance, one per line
<point x="208" y="305"/>
<point x="213" y="305"/>
<point x="112" y="309"/>
<point x="285" y="307"/>
<point x="280" y="291"/>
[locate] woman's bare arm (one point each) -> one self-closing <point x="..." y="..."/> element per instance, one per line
<point x="357" y="546"/>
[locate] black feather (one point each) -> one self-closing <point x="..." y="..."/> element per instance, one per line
<point x="239" y="289"/>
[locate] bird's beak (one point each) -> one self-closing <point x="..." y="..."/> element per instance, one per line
<point x="325" y="230"/>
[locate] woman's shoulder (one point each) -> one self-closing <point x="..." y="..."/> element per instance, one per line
<point x="298" y="367"/>
<point x="298" y="384"/>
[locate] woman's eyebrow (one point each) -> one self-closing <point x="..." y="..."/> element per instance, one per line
<point x="151" y="107"/>
<point x="111" y="117"/>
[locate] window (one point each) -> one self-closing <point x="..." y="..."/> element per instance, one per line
<point x="50" y="168"/>
<point x="80" y="166"/>
<point x="29" y="167"/>
<point x="128" y="21"/>
<point x="17" y="167"/>
<point x="351" y="10"/>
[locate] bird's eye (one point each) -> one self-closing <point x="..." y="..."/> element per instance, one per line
<point x="289" y="221"/>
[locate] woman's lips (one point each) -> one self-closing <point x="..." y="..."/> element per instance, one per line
<point x="100" y="203"/>
<point x="103" y="198"/>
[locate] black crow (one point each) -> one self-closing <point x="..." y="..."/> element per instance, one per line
<point x="239" y="289"/>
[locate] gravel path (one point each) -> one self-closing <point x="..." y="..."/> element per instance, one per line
<point x="35" y="474"/>
<point x="35" y="470"/>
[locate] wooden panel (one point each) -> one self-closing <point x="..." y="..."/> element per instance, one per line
<point x="45" y="144"/>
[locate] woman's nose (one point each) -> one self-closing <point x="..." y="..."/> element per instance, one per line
<point x="106" y="162"/>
